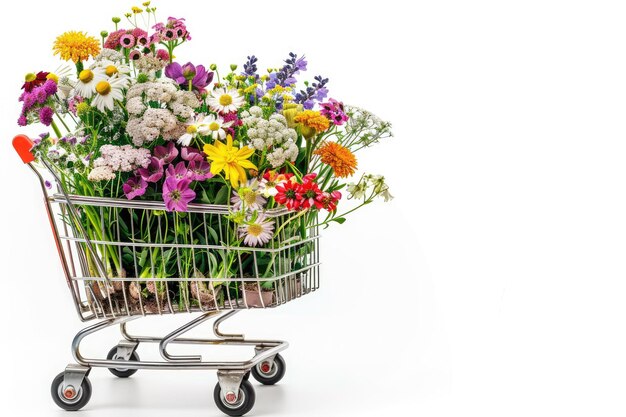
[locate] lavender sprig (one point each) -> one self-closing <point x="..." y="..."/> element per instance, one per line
<point x="250" y="68"/>
<point x="285" y="76"/>
<point x="317" y="91"/>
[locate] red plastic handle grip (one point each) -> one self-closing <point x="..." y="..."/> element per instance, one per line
<point x="23" y="145"/>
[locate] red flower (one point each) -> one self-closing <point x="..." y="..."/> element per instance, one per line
<point x="310" y="193"/>
<point x="330" y="200"/>
<point x="34" y="80"/>
<point x="288" y="195"/>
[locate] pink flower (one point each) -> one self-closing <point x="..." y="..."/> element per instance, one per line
<point x="163" y="55"/>
<point x="134" y="187"/>
<point x="153" y="172"/>
<point x="134" y="55"/>
<point x="191" y="154"/>
<point x="177" y="194"/>
<point x="127" y="41"/>
<point x="200" y="170"/>
<point x="166" y="153"/>
<point x="113" y="41"/>
<point x="179" y="172"/>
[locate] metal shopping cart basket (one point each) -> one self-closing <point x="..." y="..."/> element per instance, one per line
<point x="200" y="283"/>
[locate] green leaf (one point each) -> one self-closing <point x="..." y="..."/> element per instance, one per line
<point x="222" y="195"/>
<point x="339" y="220"/>
<point x="204" y="197"/>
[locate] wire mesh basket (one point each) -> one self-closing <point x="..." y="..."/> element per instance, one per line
<point x="129" y="258"/>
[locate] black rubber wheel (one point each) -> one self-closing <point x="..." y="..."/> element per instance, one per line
<point x="244" y="403"/>
<point x="246" y="376"/>
<point x="122" y="372"/>
<point x="275" y="373"/>
<point x="79" y="401"/>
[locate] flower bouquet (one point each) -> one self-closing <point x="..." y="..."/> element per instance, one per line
<point x="184" y="186"/>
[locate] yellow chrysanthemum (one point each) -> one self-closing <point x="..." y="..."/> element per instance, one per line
<point x="77" y="46"/>
<point x="340" y="159"/>
<point x="311" y="122"/>
<point x="231" y="160"/>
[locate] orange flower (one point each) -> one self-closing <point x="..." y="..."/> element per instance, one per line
<point x="340" y="159"/>
<point x="311" y="122"/>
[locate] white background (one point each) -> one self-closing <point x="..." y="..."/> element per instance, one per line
<point x="492" y="285"/>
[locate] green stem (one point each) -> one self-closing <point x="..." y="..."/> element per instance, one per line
<point x="56" y="130"/>
<point x="62" y="121"/>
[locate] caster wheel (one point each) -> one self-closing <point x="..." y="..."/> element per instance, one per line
<point x="246" y="376"/>
<point x="122" y="372"/>
<point x="71" y="399"/>
<point x="270" y="373"/>
<point x="244" y="403"/>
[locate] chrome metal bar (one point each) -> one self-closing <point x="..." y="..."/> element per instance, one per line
<point x="57" y="241"/>
<point x="150" y="205"/>
<point x="222" y="319"/>
<point x="72" y="211"/>
<point x="183" y="329"/>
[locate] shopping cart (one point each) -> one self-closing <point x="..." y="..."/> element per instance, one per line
<point x="89" y="239"/>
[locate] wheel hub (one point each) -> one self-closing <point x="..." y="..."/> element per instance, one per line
<point x="69" y="393"/>
<point x="266" y="367"/>
<point x="230" y="397"/>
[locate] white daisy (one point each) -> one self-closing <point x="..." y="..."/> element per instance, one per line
<point x="216" y="125"/>
<point x="257" y="232"/>
<point x="107" y="91"/>
<point x="87" y="80"/>
<point x="249" y="196"/>
<point x="198" y="126"/>
<point x="225" y="101"/>
<point x="116" y="69"/>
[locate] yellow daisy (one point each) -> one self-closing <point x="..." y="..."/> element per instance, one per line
<point x="231" y="160"/>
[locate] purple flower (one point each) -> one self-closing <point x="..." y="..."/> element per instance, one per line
<point x="45" y="115"/>
<point x="134" y="187"/>
<point x="22" y="121"/>
<point x="179" y="172"/>
<point x="167" y="153"/>
<point x="177" y="194"/>
<point x="191" y="154"/>
<point x="200" y="170"/>
<point x="48" y="184"/>
<point x="50" y="87"/>
<point x="153" y="172"/>
<point x="197" y="75"/>
<point x="40" y="94"/>
<point x="317" y="91"/>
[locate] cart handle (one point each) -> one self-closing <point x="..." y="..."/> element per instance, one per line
<point x="23" y="146"/>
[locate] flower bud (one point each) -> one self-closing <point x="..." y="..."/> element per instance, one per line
<point x="142" y="78"/>
<point x="233" y="67"/>
<point x="116" y="20"/>
<point x="290" y="111"/>
<point x="104" y="33"/>
<point x="212" y="67"/>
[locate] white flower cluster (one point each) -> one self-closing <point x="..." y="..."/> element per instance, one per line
<point x="147" y="123"/>
<point x="152" y="124"/>
<point x="149" y="64"/>
<point x="366" y="126"/>
<point x="102" y="173"/>
<point x="273" y="133"/>
<point x="109" y="55"/>
<point x="122" y="158"/>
